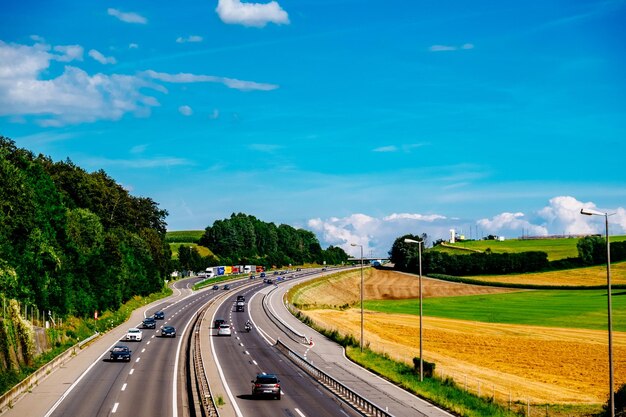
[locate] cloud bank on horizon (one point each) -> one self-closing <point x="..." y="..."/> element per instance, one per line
<point x="561" y="217"/>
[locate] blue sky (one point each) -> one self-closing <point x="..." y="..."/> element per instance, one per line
<point x="358" y="120"/>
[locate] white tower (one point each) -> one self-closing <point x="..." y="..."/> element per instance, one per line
<point x="452" y="236"/>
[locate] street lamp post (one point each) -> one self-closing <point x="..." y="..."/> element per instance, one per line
<point x="361" y="246"/>
<point x="419" y="247"/>
<point x="590" y="212"/>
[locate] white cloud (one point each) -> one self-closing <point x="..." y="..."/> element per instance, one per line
<point x="390" y="148"/>
<point x="506" y="224"/>
<point x="193" y="78"/>
<point x="442" y="48"/>
<point x="191" y="38"/>
<point x="251" y="14"/>
<point x="127" y="17"/>
<point x="70" y="53"/>
<point x="159" y="162"/>
<point x="101" y="58"/>
<point x="414" y="216"/>
<point x="185" y="110"/>
<point x="561" y="217"/>
<point x="72" y="97"/>
<point x="447" y="48"/>
<point x="376" y="234"/>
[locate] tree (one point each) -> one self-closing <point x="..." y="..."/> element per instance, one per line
<point x="592" y="250"/>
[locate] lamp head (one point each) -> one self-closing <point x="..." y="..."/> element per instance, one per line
<point x="591" y="212"/>
<point x="411" y="241"/>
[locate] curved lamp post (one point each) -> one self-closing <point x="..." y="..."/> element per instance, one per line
<point x="419" y="246"/>
<point x="590" y="212"/>
<point x="361" y="246"/>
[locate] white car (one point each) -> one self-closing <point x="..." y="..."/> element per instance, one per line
<point x="134" y="334"/>
<point x="224" y="330"/>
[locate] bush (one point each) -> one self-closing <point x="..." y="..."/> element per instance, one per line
<point x="429" y="367"/>
<point x="620" y="403"/>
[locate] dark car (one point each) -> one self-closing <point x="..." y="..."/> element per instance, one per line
<point x="159" y="315"/>
<point x="266" y="385"/>
<point x="149" y="323"/>
<point x="218" y="322"/>
<point x="120" y="352"/>
<point x="216" y="287"/>
<point x="227" y="287"/>
<point x="168" y="331"/>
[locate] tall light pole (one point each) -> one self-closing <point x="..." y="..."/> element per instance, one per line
<point x="590" y="212"/>
<point x="361" y="246"/>
<point x="419" y="247"/>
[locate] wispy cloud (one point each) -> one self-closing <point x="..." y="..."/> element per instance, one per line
<point x="193" y="78"/>
<point x="137" y="149"/>
<point x="158" y="162"/>
<point x="214" y="115"/>
<point x="69" y="52"/>
<point x="251" y="14"/>
<point x="133" y="46"/>
<point x="185" y="110"/>
<point x="447" y="48"/>
<point x="264" y="147"/>
<point x="98" y="56"/>
<point x="191" y="38"/>
<point x="393" y="148"/>
<point x="127" y="17"/>
<point x="390" y="148"/>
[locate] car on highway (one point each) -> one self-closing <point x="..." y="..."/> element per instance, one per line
<point x="227" y="287"/>
<point x="216" y="287"/>
<point x="266" y="385"/>
<point x="159" y="315"/>
<point x="224" y="330"/>
<point x="217" y="323"/>
<point x="133" y="334"/>
<point x="168" y="331"/>
<point x="120" y="352"/>
<point x="149" y="323"/>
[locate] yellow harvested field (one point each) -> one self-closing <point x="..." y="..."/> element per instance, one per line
<point x="540" y="364"/>
<point x="593" y="275"/>
<point x="545" y="365"/>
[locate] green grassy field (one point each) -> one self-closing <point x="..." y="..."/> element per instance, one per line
<point x="184" y="236"/>
<point x="555" y="248"/>
<point x="552" y="308"/>
<point x="201" y="249"/>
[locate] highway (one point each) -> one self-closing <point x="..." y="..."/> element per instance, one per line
<point x="243" y="355"/>
<point x="152" y="383"/>
<point x="145" y="386"/>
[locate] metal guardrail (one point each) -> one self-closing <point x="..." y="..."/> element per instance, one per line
<point x="209" y="409"/>
<point x="7" y="399"/>
<point x="363" y="405"/>
<point x="300" y="338"/>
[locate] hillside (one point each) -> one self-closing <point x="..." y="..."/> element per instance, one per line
<point x="555" y="248"/>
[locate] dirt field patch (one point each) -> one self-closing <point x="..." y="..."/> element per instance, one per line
<point x="382" y="285"/>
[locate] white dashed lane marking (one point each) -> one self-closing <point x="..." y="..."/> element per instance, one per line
<point x="124" y="387"/>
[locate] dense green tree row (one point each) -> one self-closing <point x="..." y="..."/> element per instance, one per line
<point x="73" y="241"/>
<point x="591" y="251"/>
<point x="244" y="239"/>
